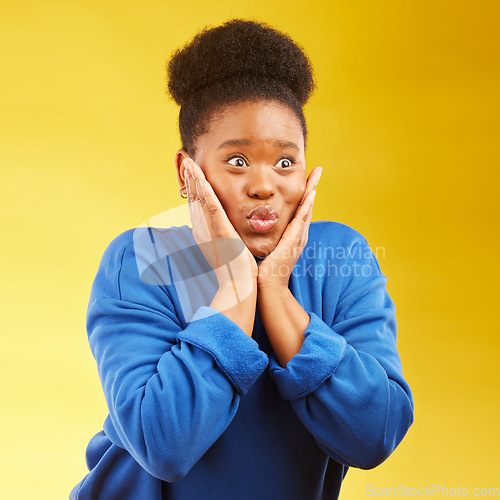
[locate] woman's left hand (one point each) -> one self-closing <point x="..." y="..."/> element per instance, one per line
<point x="276" y="268"/>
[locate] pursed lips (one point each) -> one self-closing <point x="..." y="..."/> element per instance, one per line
<point x="264" y="212"/>
<point x="262" y="218"/>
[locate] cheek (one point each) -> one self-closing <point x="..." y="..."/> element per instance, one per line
<point x="219" y="185"/>
<point x="293" y="194"/>
<point x="227" y="195"/>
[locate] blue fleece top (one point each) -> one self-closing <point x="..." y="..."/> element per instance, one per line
<point x="199" y="410"/>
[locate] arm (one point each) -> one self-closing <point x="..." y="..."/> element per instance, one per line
<point x="284" y="319"/>
<point x="346" y="382"/>
<point x="171" y="389"/>
<point x="240" y="310"/>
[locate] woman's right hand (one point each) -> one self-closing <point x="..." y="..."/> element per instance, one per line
<point x="222" y="247"/>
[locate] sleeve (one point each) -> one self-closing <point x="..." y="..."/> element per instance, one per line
<point x="171" y="392"/>
<point x="346" y="384"/>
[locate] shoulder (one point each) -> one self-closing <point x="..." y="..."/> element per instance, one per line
<point x="334" y="241"/>
<point x="118" y="244"/>
<point x="140" y="241"/>
<point x="137" y="253"/>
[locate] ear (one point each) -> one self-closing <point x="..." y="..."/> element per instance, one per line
<point x="179" y="158"/>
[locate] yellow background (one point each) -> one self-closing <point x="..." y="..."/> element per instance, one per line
<point x="405" y="123"/>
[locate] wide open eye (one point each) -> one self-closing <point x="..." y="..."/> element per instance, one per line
<point x="237" y="161"/>
<point x="286" y="162"/>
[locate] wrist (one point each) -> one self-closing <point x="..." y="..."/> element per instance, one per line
<point x="233" y="292"/>
<point x="242" y="275"/>
<point x="272" y="286"/>
<point x="237" y="301"/>
<point x="270" y="298"/>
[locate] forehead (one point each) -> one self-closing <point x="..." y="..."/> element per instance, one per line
<point x="255" y="121"/>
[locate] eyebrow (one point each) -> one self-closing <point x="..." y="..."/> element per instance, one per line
<point x="246" y="142"/>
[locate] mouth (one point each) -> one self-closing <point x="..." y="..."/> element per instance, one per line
<point x="262" y="218"/>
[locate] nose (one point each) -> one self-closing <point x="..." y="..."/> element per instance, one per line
<point x="261" y="183"/>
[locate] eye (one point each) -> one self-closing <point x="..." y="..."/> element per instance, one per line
<point x="237" y="161"/>
<point x="286" y="162"/>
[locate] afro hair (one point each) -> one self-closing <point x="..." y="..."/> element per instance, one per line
<point x="236" y="61"/>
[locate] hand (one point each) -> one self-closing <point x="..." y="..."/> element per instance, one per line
<point x="275" y="269"/>
<point x="216" y="237"/>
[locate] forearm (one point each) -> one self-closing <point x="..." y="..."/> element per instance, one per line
<point x="171" y="393"/>
<point x="284" y="320"/>
<point x="237" y="302"/>
<point x="359" y="415"/>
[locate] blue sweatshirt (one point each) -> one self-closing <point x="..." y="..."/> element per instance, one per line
<point x="199" y="410"/>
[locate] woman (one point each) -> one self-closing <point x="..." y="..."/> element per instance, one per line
<point x="254" y="356"/>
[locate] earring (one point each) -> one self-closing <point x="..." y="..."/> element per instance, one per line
<point x="182" y="192"/>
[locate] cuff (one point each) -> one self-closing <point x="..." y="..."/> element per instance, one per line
<point x="316" y="361"/>
<point x="237" y="354"/>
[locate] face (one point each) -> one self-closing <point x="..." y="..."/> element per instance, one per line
<point x="253" y="156"/>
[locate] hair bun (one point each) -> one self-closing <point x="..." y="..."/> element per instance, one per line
<point x="239" y="47"/>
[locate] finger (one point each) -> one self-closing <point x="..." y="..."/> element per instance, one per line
<point x="190" y="183"/>
<point x="304" y="213"/>
<point x="304" y="207"/>
<point x="190" y="200"/>
<point x="215" y="213"/>
<point x="194" y="169"/>
<point x="311" y="184"/>
<point x="200" y="227"/>
<point x="204" y="190"/>
<point x="206" y="206"/>
<point x="192" y="173"/>
<point x="200" y="194"/>
<point x="313" y="179"/>
<point x="314" y="176"/>
<point x="300" y="223"/>
<point x="301" y="235"/>
<point x="305" y="231"/>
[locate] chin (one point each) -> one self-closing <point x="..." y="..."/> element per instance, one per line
<point x="260" y="248"/>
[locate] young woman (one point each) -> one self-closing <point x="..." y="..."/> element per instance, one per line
<point x="252" y="356"/>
